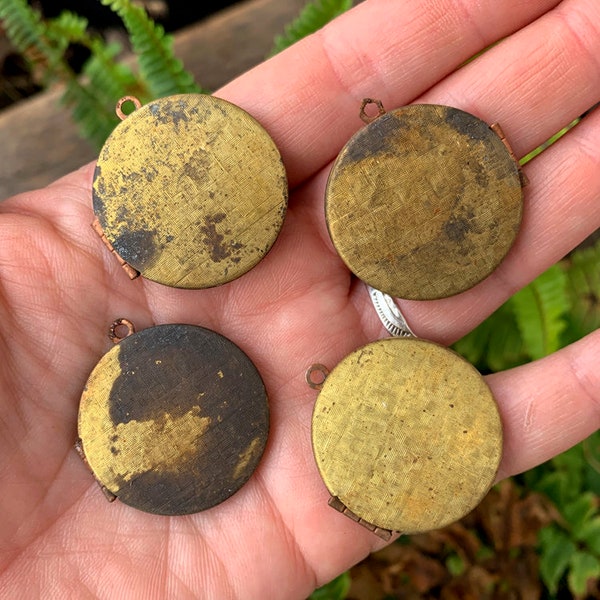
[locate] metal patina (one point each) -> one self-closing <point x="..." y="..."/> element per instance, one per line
<point x="407" y="436"/>
<point x="173" y="419"/>
<point x="424" y="202"/>
<point x="190" y="191"/>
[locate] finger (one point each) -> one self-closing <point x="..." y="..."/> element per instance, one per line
<point x="536" y="82"/>
<point x="307" y="97"/>
<point x="549" y="405"/>
<point x="57" y="199"/>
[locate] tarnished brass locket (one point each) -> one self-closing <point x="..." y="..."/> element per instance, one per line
<point x="425" y="201"/>
<point x="189" y="190"/>
<point x="173" y="420"/>
<point x="406" y="435"/>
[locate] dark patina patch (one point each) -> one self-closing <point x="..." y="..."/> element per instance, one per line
<point x="466" y="124"/>
<point x="137" y="246"/>
<point x="377" y="141"/>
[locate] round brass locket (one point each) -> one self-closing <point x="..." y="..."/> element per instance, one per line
<point x="190" y="191"/>
<point x="424" y="202"/>
<point x="407" y="436"/>
<point x="173" y="420"/>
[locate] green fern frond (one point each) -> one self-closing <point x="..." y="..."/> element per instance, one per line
<point x="104" y="80"/>
<point x="61" y="32"/>
<point x="559" y="307"/>
<point x="95" y="122"/>
<point x="312" y="17"/>
<point x="107" y="81"/>
<point x="540" y="310"/>
<point x="505" y="348"/>
<point x="494" y="345"/>
<point x="583" y="287"/>
<point x="92" y="99"/>
<point x="163" y="73"/>
<point x="25" y="28"/>
<point x="108" y="78"/>
<point x="67" y="28"/>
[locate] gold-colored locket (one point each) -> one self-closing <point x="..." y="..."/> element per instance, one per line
<point x="406" y="435"/>
<point x="189" y="190"/>
<point x="173" y="419"/>
<point x="425" y="201"/>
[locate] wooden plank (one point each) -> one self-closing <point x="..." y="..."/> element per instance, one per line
<point x="40" y="143"/>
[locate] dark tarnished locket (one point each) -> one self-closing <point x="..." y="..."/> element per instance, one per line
<point x="425" y="201"/>
<point x="421" y="204"/>
<point x="173" y="419"/>
<point x="189" y="191"/>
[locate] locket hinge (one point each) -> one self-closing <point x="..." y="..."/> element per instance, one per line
<point x="385" y="534"/>
<point x="131" y="272"/>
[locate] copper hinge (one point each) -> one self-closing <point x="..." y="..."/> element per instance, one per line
<point x="131" y="272"/>
<point x="385" y="534"/>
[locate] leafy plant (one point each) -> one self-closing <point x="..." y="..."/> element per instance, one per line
<point x="559" y="307"/>
<point x="92" y="95"/>
<point x="527" y="327"/>
<point x="337" y="589"/>
<point x="570" y="547"/>
<point x="161" y="71"/>
<point x="583" y="288"/>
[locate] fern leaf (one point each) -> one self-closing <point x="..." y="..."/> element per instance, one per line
<point x="312" y="17"/>
<point x="25" y="29"/>
<point x="108" y="78"/>
<point x="94" y="121"/>
<point x="107" y="81"/>
<point x="540" y="311"/>
<point x="66" y="28"/>
<point x="583" y="287"/>
<point x="495" y="345"/>
<point x="23" y="25"/>
<point x="163" y="73"/>
<point x="506" y="349"/>
<point x="61" y="32"/>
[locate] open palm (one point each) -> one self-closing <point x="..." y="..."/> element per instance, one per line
<point x="60" y="289"/>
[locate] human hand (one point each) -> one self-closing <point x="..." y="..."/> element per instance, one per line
<point x="60" y="289"/>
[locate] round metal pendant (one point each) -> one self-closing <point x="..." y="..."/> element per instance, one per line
<point x="173" y="419"/>
<point x="424" y="202"/>
<point x="406" y="435"/>
<point x="190" y="190"/>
